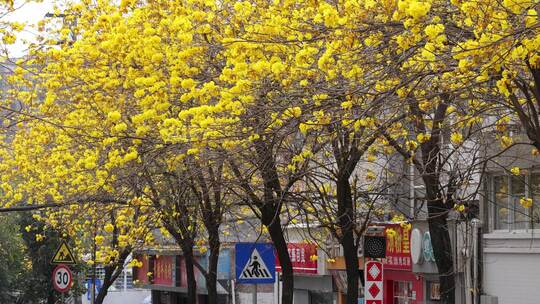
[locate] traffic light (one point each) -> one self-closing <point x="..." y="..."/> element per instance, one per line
<point x="375" y="247"/>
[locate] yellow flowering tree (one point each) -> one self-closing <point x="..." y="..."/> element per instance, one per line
<point x="118" y="127"/>
<point x="433" y="120"/>
<point x="157" y="105"/>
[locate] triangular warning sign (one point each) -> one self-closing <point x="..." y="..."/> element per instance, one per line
<point x="255" y="268"/>
<point x="63" y="255"/>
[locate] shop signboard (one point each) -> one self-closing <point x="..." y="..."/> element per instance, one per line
<point x="398" y="247"/>
<point x="224" y="265"/>
<point x="303" y="258"/>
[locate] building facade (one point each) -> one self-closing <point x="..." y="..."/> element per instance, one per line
<point x="511" y="232"/>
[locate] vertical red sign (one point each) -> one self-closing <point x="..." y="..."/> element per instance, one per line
<point x="163" y="270"/>
<point x="398" y="247"/>
<point x="301" y="255"/>
<point x="374" y="289"/>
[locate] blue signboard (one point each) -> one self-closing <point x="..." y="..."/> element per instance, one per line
<point x="255" y="263"/>
<point x="224" y="265"/>
<point x="89" y="288"/>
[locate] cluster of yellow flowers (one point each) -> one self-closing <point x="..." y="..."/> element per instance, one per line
<point x="171" y="84"/>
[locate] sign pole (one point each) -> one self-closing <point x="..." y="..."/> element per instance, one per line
<point x="233" y="289"/>
<point x="255" y="263"/>
<point x="278" y="291"/>
<point x="94" y="266"/>
<point x="254" y="300"/>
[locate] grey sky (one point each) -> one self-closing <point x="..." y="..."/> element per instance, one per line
<point x="29" y="13"/>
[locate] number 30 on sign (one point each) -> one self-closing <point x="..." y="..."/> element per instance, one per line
<point x="62" y="278"/>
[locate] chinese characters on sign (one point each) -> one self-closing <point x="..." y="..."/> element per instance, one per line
<point x="398" y="250"/>
<point x="163" y="270"/>
<point x="301" y="258"/>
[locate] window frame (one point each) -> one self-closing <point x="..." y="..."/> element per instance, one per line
<point x="407" y="298"/>
<point x="510" y="204"/>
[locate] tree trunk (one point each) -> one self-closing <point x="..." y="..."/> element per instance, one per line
<point x="438" y="209"/>
<point x="103" y="291"/>
<point x="190" y="272"/>
<point x="280" y="244"/>
<point x="191" y="281"/>
<point x="211" y="276"/>
<point x="346" y="225"/>
<point x="270" y="211"/>
<point x="111" y="274"/>
<point x="51" y="299"/>
<point x="442" y="249"/>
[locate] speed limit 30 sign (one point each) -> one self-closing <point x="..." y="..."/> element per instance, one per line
<point x="62" y="278"/>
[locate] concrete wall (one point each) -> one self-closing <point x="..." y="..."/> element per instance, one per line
<point x="513" y="278"/>
<point x="512" y="267"/>
<point x="262" y="298"/>
<point x="123" y="297"/>
<point x="315" y="283"/>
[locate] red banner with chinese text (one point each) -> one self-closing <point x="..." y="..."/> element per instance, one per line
<point x="398" y="247"/>
<point x="163" y="270"/>
<point x="301" y="258"/>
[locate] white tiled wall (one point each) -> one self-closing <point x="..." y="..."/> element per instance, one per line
<point x="513" y="277"/>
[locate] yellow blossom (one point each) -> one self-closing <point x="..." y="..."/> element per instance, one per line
<point x="99" y="239"/>
<point x="515" y="170"/>
<point x="109" y="228"/>
<point x="526" y="202"/>
<point x="456" y="138"/>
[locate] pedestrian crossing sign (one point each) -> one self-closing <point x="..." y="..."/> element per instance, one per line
<point x="63" y="255"/>
<point x="255" y="263"/>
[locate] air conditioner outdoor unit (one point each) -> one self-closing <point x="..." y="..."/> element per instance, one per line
<point x="485" y="299"/>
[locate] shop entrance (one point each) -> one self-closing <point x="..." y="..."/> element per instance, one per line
<point x="403" y="287"/>
<point x="403" y="292"/>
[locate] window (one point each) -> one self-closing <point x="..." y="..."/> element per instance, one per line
<point x="535" y="195"/>
<point x="119" y="283"/>
<point x="403" y="292"/>
<point x="509" y="214"/>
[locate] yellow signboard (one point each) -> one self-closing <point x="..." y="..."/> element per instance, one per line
<point x="63" y="255"/>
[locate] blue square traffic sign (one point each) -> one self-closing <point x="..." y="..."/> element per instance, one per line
<point x="255" y="263"/>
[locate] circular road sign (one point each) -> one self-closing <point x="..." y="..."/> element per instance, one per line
<point x="62" y="278"/>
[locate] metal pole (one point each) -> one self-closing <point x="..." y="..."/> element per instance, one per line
<point x="278" y="289"/>
<point x="125" y="279"/>
<point x="254" y="300"/>
<point x="233" y="291"/>
<point x="93" y="292"/>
